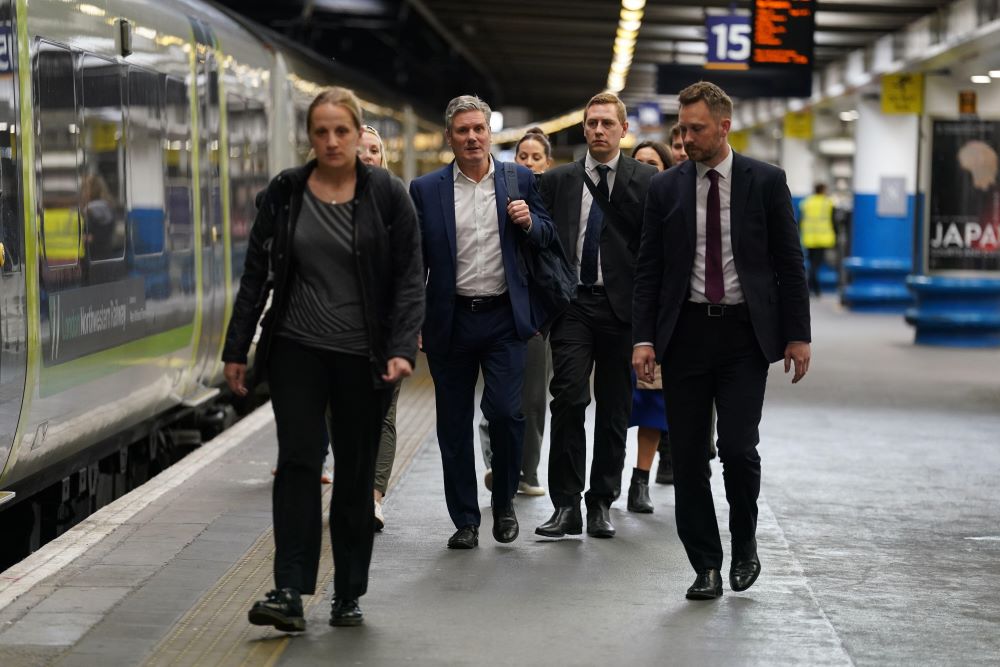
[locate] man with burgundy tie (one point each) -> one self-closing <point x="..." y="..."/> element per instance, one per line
<point x="720" y="293"/>
<point x="596" y="204"/>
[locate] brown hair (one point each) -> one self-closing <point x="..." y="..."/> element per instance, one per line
<point x="606" y="98"/>
<point x="719" y="104"/>
<point x="660" y="149"/>
<point x="675" y="131"/>
<point x="535" y="134"/>
<point x="338" y="96"/>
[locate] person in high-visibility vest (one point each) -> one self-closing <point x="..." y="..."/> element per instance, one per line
<point x="816" y="229"/>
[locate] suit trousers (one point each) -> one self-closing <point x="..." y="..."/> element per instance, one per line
<point x="303" y="381"/>
<point x="714" y="360"/>
<point x="586" y="338"/>
<point x="537" y="373"/>
<point x="486" y="340"/>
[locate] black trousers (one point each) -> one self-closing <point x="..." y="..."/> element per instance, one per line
<point x="816" y="257"/>
<point x="714" y="360"/>
<point x="589" y="337"/>
<point x="487" y="340"/>
<point x="304" y="380"/>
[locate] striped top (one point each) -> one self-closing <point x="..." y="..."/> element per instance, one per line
<point x="325" y="308"/>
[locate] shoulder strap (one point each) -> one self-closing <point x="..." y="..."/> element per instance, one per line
<point x="510" y="180"/>
<point x="602" y="201"/>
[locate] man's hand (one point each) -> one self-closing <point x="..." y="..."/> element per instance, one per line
<point x="519" y="213"/>
<point x="799" y="353"/>
<point x="236" y="375"/>
<point x="644" y="362"/>
<point x="397" y="369"/>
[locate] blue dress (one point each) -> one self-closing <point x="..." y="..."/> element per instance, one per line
<point x="647" y="408"/>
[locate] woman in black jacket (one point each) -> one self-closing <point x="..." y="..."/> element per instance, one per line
<point x="333" y="243"/>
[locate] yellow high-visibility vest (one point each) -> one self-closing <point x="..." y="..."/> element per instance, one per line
<point x="816" y="225"/>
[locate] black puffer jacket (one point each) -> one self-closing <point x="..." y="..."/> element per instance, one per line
<point x="387" y="254"/>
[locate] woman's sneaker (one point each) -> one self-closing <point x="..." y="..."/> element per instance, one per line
<point x="345" y="612"/>
<point x="282" y="608"/>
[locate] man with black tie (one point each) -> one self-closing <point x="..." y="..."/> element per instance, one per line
<point x="720" y="293"/>
<point x="478" y="311"/>
<point x="602" y="233"/>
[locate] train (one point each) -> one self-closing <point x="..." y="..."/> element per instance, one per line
<point x="134" y="136"/>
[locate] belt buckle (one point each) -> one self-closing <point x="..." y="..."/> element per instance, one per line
<point x="477" y="304"/>
<point x="716" y="310"/>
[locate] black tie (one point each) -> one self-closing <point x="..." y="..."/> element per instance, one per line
<point x="592" y="237"/>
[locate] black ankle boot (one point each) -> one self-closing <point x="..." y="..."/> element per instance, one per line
<point x="638" y="493"/>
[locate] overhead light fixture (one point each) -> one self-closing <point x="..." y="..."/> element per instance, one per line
<point x="995" y="73"/>
<point x="981" y="78"/>
<point x="849" y="116"/>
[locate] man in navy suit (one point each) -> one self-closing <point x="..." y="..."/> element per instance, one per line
<point x="720" y="293"/>
<point x="479" y="313"/>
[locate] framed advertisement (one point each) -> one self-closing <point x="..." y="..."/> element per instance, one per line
<point x="963" y="220"/>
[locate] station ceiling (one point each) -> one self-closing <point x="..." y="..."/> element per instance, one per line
<point x="548" y="56"/>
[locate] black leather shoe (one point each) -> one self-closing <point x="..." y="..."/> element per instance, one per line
<point x="742" y="573"/>
<point x="505" y="527"/>
<point x="466" y="537"/>
<point x="346" y="612"/>
<point x="638" y="497"/>
<point x="282" y="608"/>
<point x="665" y="470"/>
<point x="564" y="521"/>
<point x="599" y="521"/>
<point x="707" y="586"/>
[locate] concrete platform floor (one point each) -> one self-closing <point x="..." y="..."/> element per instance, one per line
<point x="879" y="535"/>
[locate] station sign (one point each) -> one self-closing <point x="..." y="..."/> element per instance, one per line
<point x="6" y="43"/>
<point x="766" y="55"/>
<point x="783" y="32"/>
<point x="728" y="39"/>
<point x="902" y="93"/>
<point x="798" y="125"/>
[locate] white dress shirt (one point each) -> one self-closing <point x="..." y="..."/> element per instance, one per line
<point x="479" y="259"/>
<point x="590" y="164"/>
<point x="731" y="281"/>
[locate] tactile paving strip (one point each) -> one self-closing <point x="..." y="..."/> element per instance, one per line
<point x="215" y="631"/>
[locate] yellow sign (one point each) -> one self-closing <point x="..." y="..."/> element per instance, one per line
<point x="799" y="125"/>
<point x="902" y="93"/>
<point x="739" y="140"/>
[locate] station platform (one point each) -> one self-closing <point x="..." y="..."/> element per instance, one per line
<point x="879" y="535"/>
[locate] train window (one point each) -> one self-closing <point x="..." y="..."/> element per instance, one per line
<point x="102" y="188"/>
<point x="144" y="140"/>
<point x="58" y="148"/>
<point x="241" y="209"/>
<point x="179" y="202"/>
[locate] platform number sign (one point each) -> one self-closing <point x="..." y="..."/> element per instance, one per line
<point x="5" y="43"/>
<point x="728" y="38"/>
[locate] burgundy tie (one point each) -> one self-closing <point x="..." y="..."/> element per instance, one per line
<point x="714" y="288"/>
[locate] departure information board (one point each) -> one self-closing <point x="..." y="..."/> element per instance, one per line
<point x="783" y="32"/>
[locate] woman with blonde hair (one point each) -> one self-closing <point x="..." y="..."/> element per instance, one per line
<point x="335" y="238"/>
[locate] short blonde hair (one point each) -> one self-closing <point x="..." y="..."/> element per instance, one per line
<point x="606" y="98"/>
<point x="344" y="97"/>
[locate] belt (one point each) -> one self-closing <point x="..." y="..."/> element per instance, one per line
<point x="596" y="290"/>
<point x="730" y="310"/>
<point x="477" y="304"/>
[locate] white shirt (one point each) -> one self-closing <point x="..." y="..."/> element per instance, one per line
<point x="730" y="280"/>
<point x="590" y="164"/>
<point x="479" y="260"/>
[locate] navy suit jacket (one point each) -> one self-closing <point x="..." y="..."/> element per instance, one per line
<point x="434" y="198"/>
<point x="766" y="251"/>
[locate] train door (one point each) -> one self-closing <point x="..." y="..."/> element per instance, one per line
<point x="13" y="350"/>
<point x="212" y="242"/>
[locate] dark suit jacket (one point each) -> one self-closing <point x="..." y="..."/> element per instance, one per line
<point x="434" y="197"/>
<point x="766" y="251"/>
<point x="562" y="191"/>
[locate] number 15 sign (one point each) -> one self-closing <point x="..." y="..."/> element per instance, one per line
<point x="729" y="41"/>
